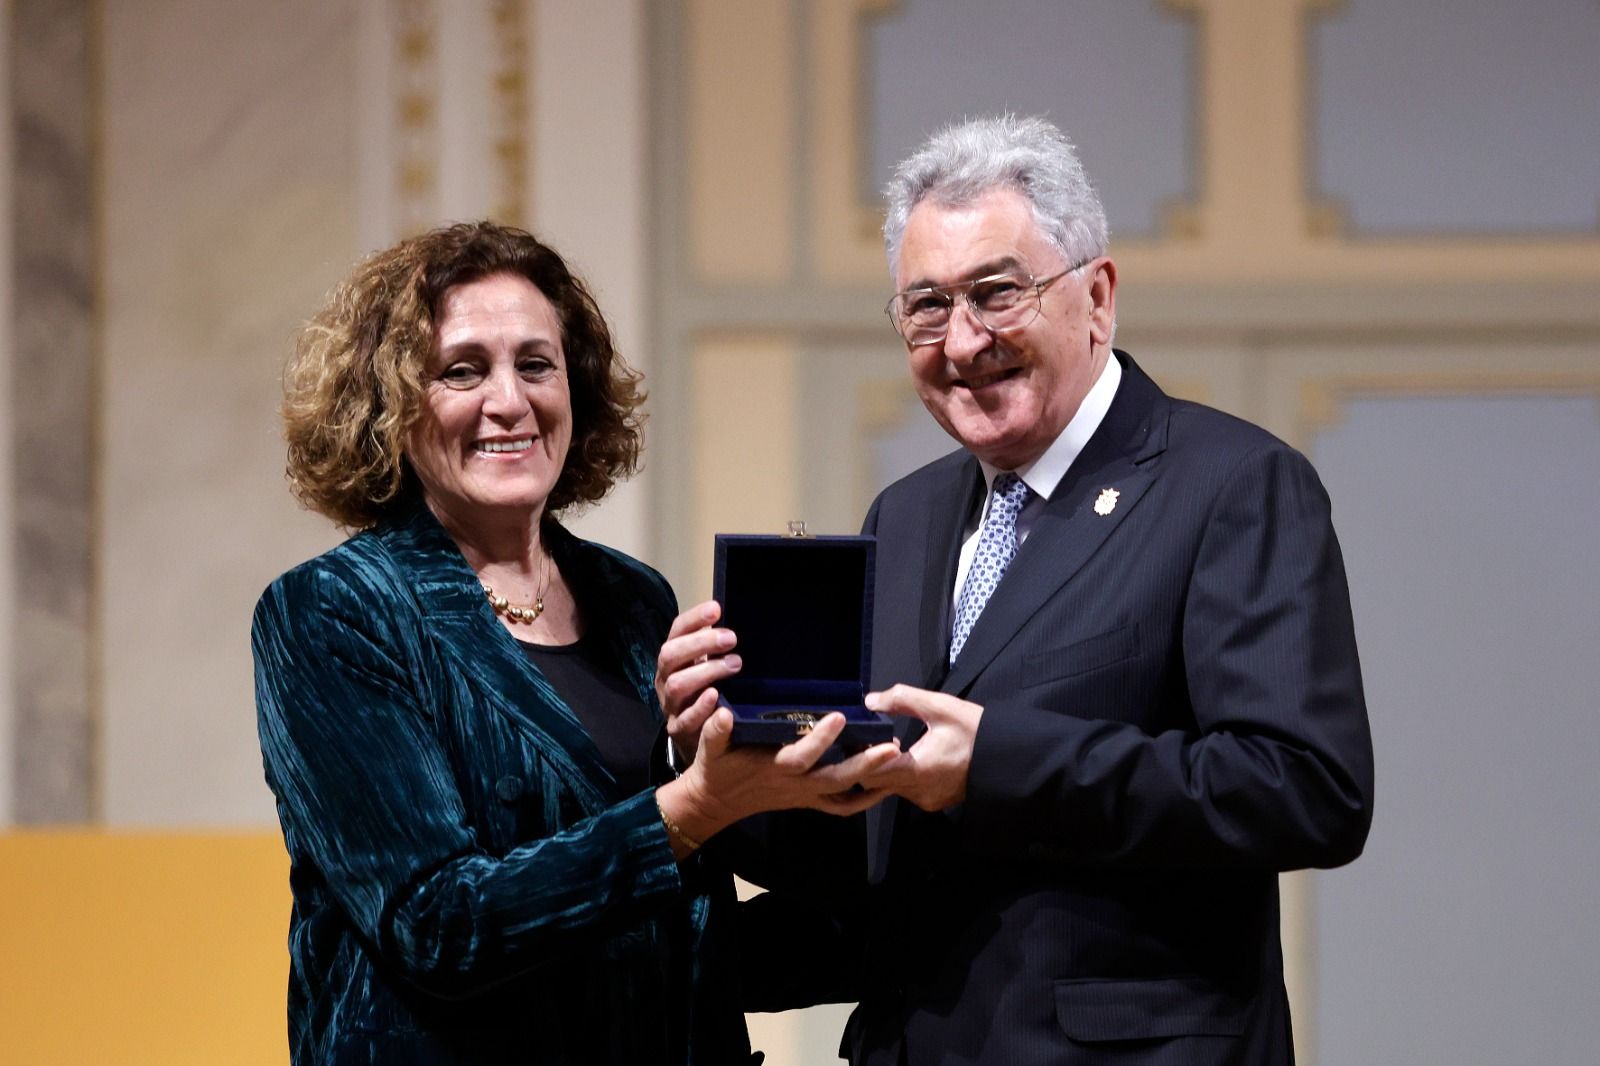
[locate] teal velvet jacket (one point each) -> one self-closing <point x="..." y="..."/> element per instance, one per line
<point x="470" y="885"/>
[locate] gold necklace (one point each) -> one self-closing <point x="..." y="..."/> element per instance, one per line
<point x="525" y="615"/>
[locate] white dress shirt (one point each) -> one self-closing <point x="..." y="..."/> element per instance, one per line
<point x="1044" y="473"/>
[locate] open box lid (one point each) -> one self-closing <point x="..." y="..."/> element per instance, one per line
<point x="802" y="607"/>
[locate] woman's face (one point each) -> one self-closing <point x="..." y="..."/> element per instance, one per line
<point x="497" y="416"/>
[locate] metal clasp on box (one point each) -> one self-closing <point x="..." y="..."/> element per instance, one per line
<point x="804" y="721"/>
<point x="797" y="528"/>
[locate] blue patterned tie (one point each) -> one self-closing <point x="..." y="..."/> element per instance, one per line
<point x="997" y="546"/>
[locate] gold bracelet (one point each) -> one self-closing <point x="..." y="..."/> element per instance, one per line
<point x="673" y="829"/>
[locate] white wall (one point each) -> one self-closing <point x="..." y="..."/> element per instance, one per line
<point x="227" y="185"/>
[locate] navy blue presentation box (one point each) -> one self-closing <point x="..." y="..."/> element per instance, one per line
<point x="802" y="609"/>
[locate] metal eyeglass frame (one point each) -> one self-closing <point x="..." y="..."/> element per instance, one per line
<point x="964" y="290"/>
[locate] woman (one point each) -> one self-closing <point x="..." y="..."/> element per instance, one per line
<point x="456" y="705"/>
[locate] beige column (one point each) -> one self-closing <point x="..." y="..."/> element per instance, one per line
<point x="1253" y="107"/>
<point x="1253" y="114"/>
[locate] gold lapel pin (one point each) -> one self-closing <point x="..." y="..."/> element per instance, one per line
<point x="1106" y="502"/>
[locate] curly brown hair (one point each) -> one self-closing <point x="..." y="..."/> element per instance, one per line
<point x="353" y="388"/>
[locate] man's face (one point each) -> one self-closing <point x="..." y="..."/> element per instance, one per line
<point x="1004" y="396"/>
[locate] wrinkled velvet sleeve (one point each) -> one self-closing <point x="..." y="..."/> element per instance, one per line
<point x="368" y="801"/>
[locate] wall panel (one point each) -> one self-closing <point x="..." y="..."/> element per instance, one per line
<point x="143" y="949"/>
<point x="1466" y="934"/>
<point x="1491" y="96"/>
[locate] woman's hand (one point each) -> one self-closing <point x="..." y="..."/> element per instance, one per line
<point x="726" y="784"/>
<point x="695" y="656"/>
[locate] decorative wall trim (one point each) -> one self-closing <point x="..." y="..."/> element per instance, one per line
<point x="869" y="212"/>
<point x="446" y="102"/>
<point x="842" y="108"/>
<point x="1323" y="400"/>
<point x="848" y="232"/>
<point x="1181" y="218"/>
<point x="1328" y="218"/>
<point x="415" y="77"/>
<point x="508" y="124"/>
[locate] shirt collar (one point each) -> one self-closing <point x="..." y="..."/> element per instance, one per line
<point x="1045" y="473"/>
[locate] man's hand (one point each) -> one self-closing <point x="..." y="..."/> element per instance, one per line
<point x="726" y="784"/>
<point x="933" y="772"/>
<point x="695" y="656"/>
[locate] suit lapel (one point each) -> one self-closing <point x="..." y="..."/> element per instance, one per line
<point x="1118" y="456"/>
<point x="948" y="513"/>
<point x="1078" y="518"/>
<point x="478" y="646"/>
<point x="949" y="506"/>
<point x="1066" y="534"/>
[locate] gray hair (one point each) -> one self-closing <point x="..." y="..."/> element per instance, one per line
<point x="967" y="159"/>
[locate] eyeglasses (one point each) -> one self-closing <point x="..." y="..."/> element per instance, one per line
<point x="1001" y="302"/>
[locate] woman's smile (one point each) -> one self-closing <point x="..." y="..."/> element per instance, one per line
<point x="503" y="447"/>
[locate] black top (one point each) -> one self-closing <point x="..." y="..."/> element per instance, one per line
<point x="594" y="687"/>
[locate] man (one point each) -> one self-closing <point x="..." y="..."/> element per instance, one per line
<point x="1115" y="633"/>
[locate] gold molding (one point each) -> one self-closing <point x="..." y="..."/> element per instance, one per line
<point x="416" y="113"/>
<point x="1259" y="217"/>
<point x="848" y="233"/>
<point x="1181" y="219"/>
<point x="840" y="111"/>
<point x="509" y="121"/>
<point x="869" y="216"/>
<point x="1252" y="213"/>
<point x="1328" y="217"/>
<point x="1323" y="401"/>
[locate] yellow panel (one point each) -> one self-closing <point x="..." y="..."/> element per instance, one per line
<point x="1252" y="121"/>
<point x="745" y="445"/>
<point x="741" y="165"/>
<point x="136" y="949"/>
<point x="848" y="233"/>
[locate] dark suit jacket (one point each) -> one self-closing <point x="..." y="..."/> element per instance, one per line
<point x="1173" y="714"/>
<point x="470" y="885"/>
